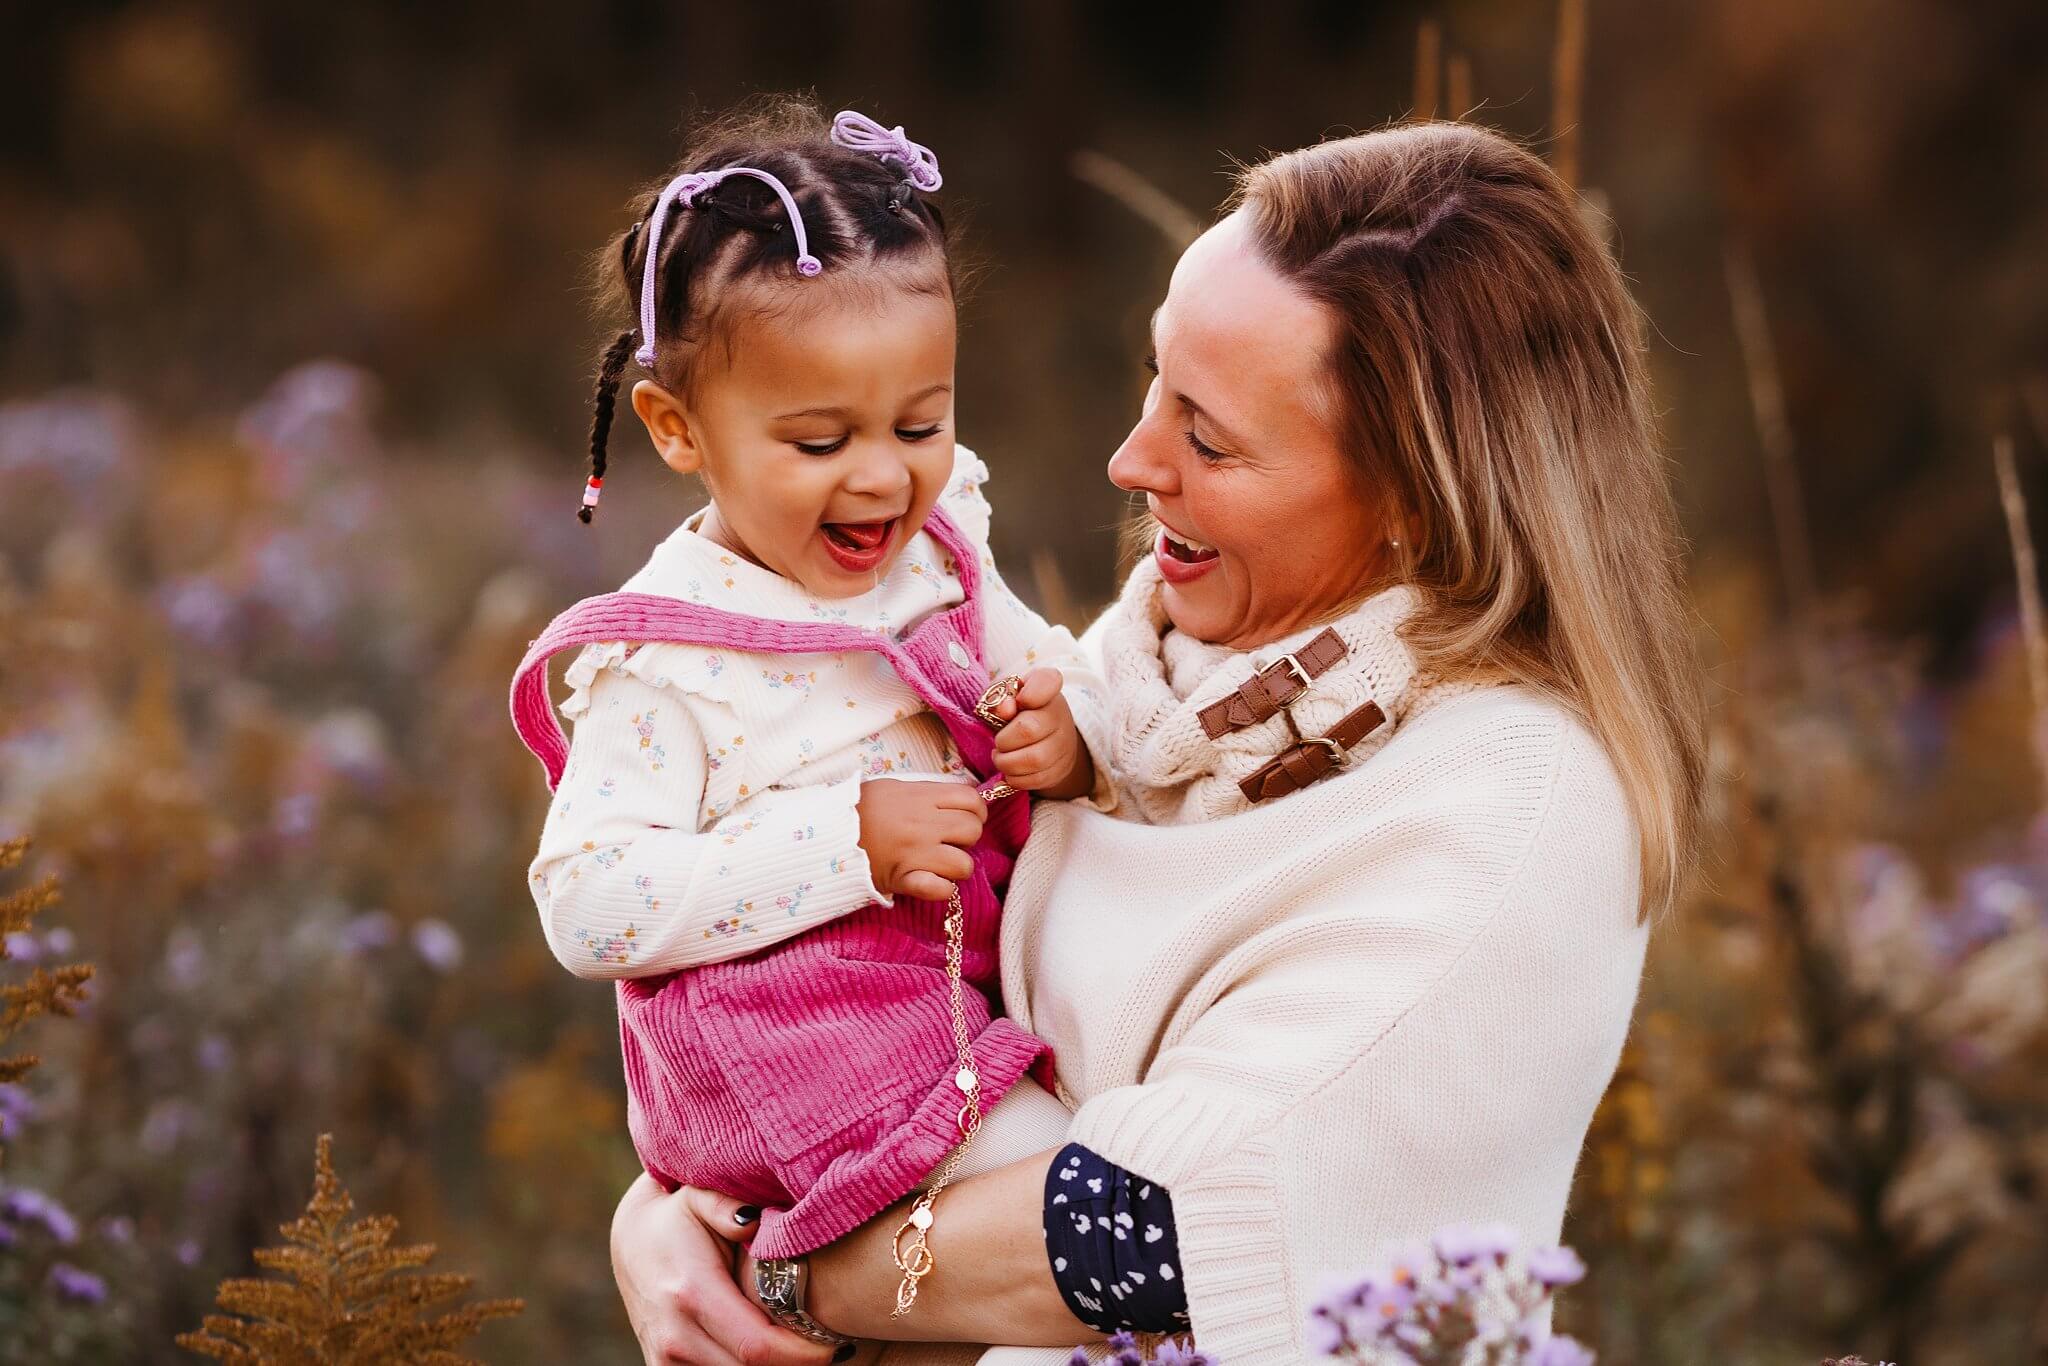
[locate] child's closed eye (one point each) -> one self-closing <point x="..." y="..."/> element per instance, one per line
<point x="838" y="444"/>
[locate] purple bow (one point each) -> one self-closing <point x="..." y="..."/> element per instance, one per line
<point x="858" y="133"/>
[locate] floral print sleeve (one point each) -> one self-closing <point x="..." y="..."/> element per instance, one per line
<point x="637" y="875"/>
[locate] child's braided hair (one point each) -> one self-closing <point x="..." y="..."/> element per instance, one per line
<point x="857" y="208"/>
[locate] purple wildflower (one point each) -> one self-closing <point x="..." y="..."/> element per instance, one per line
<point x="16" y="1104"/>
<point x="199" y="609"/>
<point x="1555" y="1266"/>
<point x="117" y="1228"/>
<point x="78" y="437"/>
<point x="297" y="814"/>
<point x="1124" y="1350"/>
<point x="187" y="1252"/>
<point x="1561" y="1351"/>
<point x="1325" y="1335"/>
<point x="214" y="1053"/>
<point x="22" y="947"/>
<point x="368" y="932"/>
<point x="438" y="945"/>
<point x="25" y="1206"/>
<point x="80" y="1287"/>
<point x="59" y="942"/>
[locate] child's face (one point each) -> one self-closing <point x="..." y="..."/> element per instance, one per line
<point x="824" y="432"/>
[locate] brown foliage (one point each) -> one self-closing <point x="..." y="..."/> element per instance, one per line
<point x="45" y="992"/>
<point x="345" y="1300"/>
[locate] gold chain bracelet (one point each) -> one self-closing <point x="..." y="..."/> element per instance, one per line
<point x="914" y="1257"/>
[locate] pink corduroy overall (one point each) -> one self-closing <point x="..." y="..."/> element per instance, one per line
<point x="815" y="1078"/>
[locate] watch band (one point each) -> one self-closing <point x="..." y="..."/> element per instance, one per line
<point x="779" y="1284"/>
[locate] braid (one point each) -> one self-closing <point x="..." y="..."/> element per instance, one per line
<point x="608" y="371"/>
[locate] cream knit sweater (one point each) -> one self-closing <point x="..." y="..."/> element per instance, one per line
<point x="1343" y="1018"/>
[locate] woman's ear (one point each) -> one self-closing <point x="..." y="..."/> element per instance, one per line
<point x="668" y="426"/>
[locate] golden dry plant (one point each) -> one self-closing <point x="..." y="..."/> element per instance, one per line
<point x="46" y="991"/>
<point x="348" y="1298"/>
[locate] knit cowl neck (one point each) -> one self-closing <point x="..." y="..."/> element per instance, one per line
<point x="1161" y="679"/>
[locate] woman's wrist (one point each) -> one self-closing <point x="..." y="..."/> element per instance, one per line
<point x="991" y="1281"/>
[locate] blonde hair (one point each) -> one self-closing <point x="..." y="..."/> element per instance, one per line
<point x="1488" y="377"/>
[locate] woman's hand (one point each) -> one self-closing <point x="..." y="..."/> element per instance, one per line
<point x="1039" y="749"/>
<point x="673" y="1257"/>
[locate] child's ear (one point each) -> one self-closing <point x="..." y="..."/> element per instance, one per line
<point x="668" y="425"/>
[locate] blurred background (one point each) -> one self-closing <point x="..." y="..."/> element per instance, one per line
<point x="295" y="353"/>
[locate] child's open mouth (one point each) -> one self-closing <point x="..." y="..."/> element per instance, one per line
<point x="858" y="547"/>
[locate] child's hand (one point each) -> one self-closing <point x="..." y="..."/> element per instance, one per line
<point x="1039" y="748"/>
<point x="917" y="835"/>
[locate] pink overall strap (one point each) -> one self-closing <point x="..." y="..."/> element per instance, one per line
<point x="654" y="617"/>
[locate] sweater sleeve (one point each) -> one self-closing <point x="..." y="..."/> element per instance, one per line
<point x="1476" y="986"/>
<point x="629" y="886"/>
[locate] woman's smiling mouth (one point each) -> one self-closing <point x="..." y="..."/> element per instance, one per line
<point x="1182" y="559"/>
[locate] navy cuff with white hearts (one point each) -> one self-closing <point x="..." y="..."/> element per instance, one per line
<point x="1110" y="1237"/>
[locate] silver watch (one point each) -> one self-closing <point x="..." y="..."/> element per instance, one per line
<point x="779" y="1284"/>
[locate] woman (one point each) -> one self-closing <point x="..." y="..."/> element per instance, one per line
<point x="1410" y="743"/>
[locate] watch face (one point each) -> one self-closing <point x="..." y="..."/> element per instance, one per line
<point x="777" y="1282"/>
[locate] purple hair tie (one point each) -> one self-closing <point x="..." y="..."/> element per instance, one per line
<point x="686" y="188"/>
<point x="858" y="133"/>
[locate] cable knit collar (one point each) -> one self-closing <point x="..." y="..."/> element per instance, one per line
<point x="1160" y="679"/>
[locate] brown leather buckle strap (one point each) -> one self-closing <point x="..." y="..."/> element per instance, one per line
<point x="1314" y="759"/>
<point x="1273" y="687"/>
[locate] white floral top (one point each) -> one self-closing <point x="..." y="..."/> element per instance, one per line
<point x="708" y="806"/>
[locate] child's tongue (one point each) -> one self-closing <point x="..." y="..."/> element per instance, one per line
<point x="859" y="535"/>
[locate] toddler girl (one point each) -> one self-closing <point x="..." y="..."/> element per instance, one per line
<point x="783" y="764"/>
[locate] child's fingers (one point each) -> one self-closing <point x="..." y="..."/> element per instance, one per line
<point x="958" y="797"/>
<point x="1033" y="765"/>
<point x="1031" y="727"/>
<point x="1041" y="686"/>
<point x="961" y="829"/>
<point x="924" y="886"/>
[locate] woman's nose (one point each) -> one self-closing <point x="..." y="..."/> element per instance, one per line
<point x="1144" y="463"/>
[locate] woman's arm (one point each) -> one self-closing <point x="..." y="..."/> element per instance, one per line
<point x="673" y="1256"/>
<point x="992" y="1281"/>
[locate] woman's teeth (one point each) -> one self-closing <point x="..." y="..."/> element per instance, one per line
<point x="1187" y="549"/>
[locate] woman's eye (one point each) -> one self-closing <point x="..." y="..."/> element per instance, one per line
<point x="1201" y="447"/>
<point x="823" y="448"/>
<point x="919" y="433"/>
<point x="1152" y="364"/>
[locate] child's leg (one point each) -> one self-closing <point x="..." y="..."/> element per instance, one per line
<point x="1026" y="1120"/>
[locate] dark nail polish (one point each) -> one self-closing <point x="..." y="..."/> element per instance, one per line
<point x="845" y="1353"/>
<point x="746" y="1214"/>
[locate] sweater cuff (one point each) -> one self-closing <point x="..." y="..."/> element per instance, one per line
<point x="1163" y="1131"/>
<point x="1091" y="717"/>
<point x="1234" y="1260"/>
<point x="1217" y="1156"/>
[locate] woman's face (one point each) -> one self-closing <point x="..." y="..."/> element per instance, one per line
<point x="1264" y="528"/>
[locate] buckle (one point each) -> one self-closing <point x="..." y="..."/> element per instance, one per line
<point x="1293" y="666"/>
<point x="1336" y="751"/>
